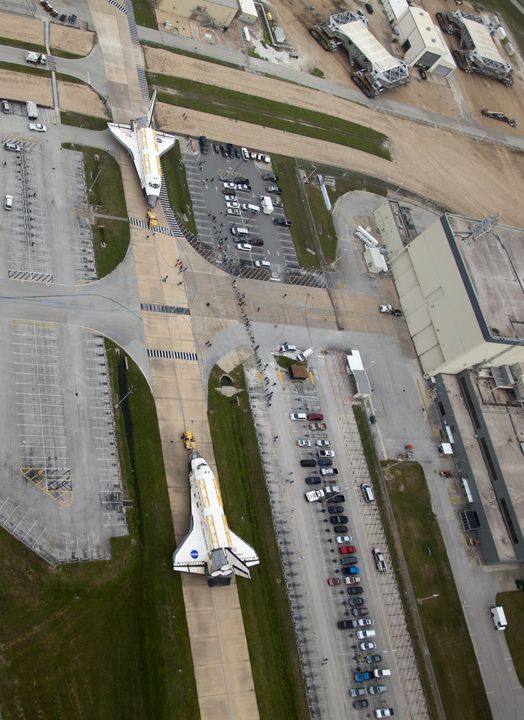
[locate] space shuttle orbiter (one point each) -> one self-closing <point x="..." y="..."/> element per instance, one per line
<point x="145" y="145"/>
<point x="210" y="548"/>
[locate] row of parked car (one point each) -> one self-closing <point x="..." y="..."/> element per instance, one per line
<point x="333" y="501"/>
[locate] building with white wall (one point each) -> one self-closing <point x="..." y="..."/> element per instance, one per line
<point x="423" y="42"/>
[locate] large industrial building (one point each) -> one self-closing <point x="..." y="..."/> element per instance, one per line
<point x="461" y="287"/>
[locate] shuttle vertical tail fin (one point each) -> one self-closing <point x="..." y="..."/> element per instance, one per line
<point x="151" y="109"/>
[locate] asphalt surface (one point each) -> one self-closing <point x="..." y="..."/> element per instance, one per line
<point x="206" y="175"/>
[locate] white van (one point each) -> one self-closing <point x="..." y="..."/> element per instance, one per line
<point x="250" y="207"/>
<point x="367" y="492"/>
<point x="499" y="617"/>
<point x="304" y="355"/>
<point x="287" y="347"/>
<point x="298" y="416"/>
<point x="245" y="153"/>
<point x="245" y="246"/>
<point x="239" y="230"/>
<point x="262" y="263"/>
<point x="380" y="673"/>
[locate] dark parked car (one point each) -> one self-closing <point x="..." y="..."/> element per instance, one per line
<point x="347" y="624"/>
<point x="282" y="221"/>
<point x="202" y="142"/>
<point x="355" y="590"/>
<point x="308" y="462"/>
<point x="216" y="148"/>
<point x="360" y="704"/>
<point x="336" y="499"/>
<point x="349" y="560"/>
<point x="229" y="149"/>
<point x="337" y="519"/>
<point x="341" y="529"/>
<point x="372" y="659"/>
<point x="313" y="480"/>
<point x="359" y="612"/>
<point x="257" y="242"/>
<point x="314" y="416"/>
<point x="269" y="177"/>
<point x="335" y="509"/>
<point x="355" y="602"/>
<point x="325" y="462"/>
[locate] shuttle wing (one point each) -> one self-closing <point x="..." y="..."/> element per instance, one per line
<point x="244" y="552"/>
<point x="192" y="553"/>
<point x="164" y="142"/>
<point x="239" y="567"/>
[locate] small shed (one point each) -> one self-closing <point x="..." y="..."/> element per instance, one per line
<point x="375" y="261"/>
<point x="298" y="372"/>
<point x="423" y="42"/>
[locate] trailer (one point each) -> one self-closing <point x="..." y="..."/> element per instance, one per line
<point x="374" y="68"/>
<point x="477" y="51"/>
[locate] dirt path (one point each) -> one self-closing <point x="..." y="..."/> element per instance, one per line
<point x="428" y="161"/>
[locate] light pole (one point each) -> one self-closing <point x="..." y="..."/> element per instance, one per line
<point x="428" y="597"/>
<point x="128" y="393"/>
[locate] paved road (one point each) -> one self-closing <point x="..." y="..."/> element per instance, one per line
<point x="381" y="104"/>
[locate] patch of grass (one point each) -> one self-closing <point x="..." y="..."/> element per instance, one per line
<point x="263" y="599"/>
<point x="452" y="654"/>
<point x="108" y="639"/>
<point x="323" y="219"/>
<point x="83" y="121"/>
<point x="13" y="42"/>
<point x="177" y="188"/>
<point x="25" y="69"/>
<point x="513" y="604"/>
<point x="144" y="14"/>
<point x="269" y="113"/>
<point x="110" y="244"/>
<point x="317" y="72"/>
<point x="302" y="231"/>
<point x="58" y="52"/>
<point x="103" y="181"/>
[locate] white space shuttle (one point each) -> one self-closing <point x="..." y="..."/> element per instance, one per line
<point x="210" y="548"/>
<point x="145" y="145"/>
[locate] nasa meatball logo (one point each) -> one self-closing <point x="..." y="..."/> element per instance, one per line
<point x="194" y="554"/>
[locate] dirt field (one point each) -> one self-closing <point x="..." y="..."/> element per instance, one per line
<point x="490" y="178"/>
<point x="30" y="30"/>
<point x="71" y="40"/>
<point x="80" y="99"/>
<point x="20" y="86"/>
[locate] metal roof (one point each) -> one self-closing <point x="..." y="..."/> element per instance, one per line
<point x="483" y="41"/>
<point x="368" y="44"/>
<point x="426" y="29"/>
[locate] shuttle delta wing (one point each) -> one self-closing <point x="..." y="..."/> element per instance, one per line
<point x="243" y="551"/>
<point x="192" y="553"/>
<point x="164" y="142"/>
<point x="125" y="137"/>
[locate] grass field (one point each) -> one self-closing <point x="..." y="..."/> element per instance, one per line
<point x="323" y="219"/>
<point x="268" y="113"/>
<point x="187" y="53"/>
<point x="106" y="194"/>
<point x="265" y="608"/>
<point x="103" y="640"/>
<point x="83" y="121"/>
<point x="302" y="230"/>
<point x="13" y="42"/>
<point x="445" y="629"/>
<point x="25" y="69"/>
<point x="144" y="13"/>
<point x="513" y="604"/>
<point x="110" y="244"/>
<point x="177" y="188"/>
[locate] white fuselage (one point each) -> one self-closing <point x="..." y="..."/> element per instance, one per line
<point x="149" y="170"/>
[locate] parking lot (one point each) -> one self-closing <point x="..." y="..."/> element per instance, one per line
<point x="61" y="492"/>
<point x="310" y="551"/>
<point x="210" y="176"/>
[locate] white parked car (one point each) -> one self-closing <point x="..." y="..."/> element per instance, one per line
<point x="367" y="645"/>
<point x="384" y="712"/>
<point x="303" y="442"/>
<point x="229" y="186"/>
<point x="230" y="197"/>
<point x="233" y="211"/>
<point x="37" y="127"/>
<point x="343" y="539"/>
<point x="8" y="203"/>
<point x="365" y="634"/>
<point x="385" y="308"/>
<point x="245" y="246"/>
<point x="232" y="204"/>
<point x="323" y="443"/>
<point x="326" y="453"/>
